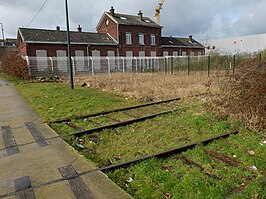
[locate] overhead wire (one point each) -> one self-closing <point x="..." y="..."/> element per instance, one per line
<point x="37" y="13"/>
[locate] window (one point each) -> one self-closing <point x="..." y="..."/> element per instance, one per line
<point x="79" y="60"/>
<point x="128" y="38"/>
<point x="184" y="53"/>
<point x="107" y="22"/>
<point x="165" y="53"/>
<point x="152" y="39"/>
<point x="175" y="53"/>
<point x="42" y="59"/>
<point x="192" y="53"/>
<point x="141" y="53"/>
<point x="62" y="60"/>
<point x="141" y="38"/>
<point x="153" y="53"/>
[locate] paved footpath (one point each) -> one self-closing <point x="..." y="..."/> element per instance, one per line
<point x="36" y="163"/>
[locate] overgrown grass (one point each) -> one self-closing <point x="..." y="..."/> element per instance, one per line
<point x="153" y="86"/>
<point x="206" y="177"/>
<point x="150" y="136"/>
<point x="155" y="178"/>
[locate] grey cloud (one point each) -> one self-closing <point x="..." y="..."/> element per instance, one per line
<point x="203" y="19"/>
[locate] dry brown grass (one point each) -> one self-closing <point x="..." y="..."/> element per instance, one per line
<point x="152" y="86"/>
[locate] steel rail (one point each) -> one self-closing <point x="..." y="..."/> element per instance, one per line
<point x="114" y="110"/>
<point x="119" y="124"/>
<point x="164" y="154"/>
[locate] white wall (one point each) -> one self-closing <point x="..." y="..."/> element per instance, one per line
<point x="248" y="44"/>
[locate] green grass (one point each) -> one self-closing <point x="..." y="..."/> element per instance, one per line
<point x="11" y="79"/>
<point x="154" y="178"/>
<point x="151" y="136"/>
<point x="56" y="100"/>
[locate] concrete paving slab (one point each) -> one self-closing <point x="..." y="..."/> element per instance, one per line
<point x="41" y="163"/>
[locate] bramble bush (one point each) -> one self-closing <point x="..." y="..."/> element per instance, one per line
<point x="15" y="66"/>
<point x="243" y="96"/>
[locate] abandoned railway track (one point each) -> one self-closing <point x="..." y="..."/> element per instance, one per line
<point x="165" y="154"/>
<point x="97" y="122"/>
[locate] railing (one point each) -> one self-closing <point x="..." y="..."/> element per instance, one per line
<point x="47" y="66"/>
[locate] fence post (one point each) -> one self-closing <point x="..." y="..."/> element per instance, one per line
<point x="260" y="59"/>
<point x="234" y="64"/>
<point x="188" y="65"/>
<point x="52" y="64"/>
<point x="73" y="66"/>
<point x="165" y="65"/>
<point x="136" y="60"/>
<point x="92" y="67"/>
<point x="147" y="64"/>
<point x="123" y="61"/>
<point x="209" y="65"/>
<point x="157" y="64"/>
<point x="172" y="65"/>
<point x="108" y="63"/>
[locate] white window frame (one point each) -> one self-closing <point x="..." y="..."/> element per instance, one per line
<point x="128" y="38"/>
<point x="153" y="40"/>
<point x="141" y="39"/>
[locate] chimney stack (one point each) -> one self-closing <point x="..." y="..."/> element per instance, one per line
<point x="190" y="38"/>
<point x="112" y="11"/>
<point x="79" y="29"/>
<point x="140" y="14"/>
<point x="58" y="28"/>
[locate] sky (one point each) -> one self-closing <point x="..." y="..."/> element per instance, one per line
<point x="205" y="19"/>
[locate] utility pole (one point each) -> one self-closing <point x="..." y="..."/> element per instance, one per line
<point x="69" y="50"/>
<point x="2" y="27"/>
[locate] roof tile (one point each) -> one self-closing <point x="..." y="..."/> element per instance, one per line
<point x="184" y="42"/>
<point x="125" y="19"/>
<point x="59" y="36"/>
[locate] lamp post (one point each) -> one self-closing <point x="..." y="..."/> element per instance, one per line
<point x="69" y="50"/>
<point x="2" y="27"/>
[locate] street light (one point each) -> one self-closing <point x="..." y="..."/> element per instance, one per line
<point x="2" y="26"/>
<point x="69" y="50"/>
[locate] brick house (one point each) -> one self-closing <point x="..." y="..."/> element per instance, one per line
<point x="173" y="46"/>
<point x="117" y="35"/>
<point x="135" y="35"/>
<point x="52" y="43"/>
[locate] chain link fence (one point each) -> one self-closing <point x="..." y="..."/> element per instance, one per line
<point x="58" y="66"/>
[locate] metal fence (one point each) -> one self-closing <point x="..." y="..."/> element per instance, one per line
<point x="48" y="66"/>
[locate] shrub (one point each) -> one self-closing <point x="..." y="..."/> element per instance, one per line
<point x="14" y="65"/>
<point x="243" y="96"/>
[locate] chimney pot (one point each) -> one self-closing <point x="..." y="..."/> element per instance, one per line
<point x="112" y="11"/>
<point x="58" y="28"/>
<point x="140" y="14"/>
<point x="190" y="38"/>
<point x="79" y="29"/>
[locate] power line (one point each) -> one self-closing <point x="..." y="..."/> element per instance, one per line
<point x="37" y="13"/>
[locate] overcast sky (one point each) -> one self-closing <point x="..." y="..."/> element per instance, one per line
<point x="205" y="19"/>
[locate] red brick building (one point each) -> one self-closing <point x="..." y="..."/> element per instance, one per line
<point x="117" y="35"/>
<point x="136" y="35"/>
<point x="53" y="43"/>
